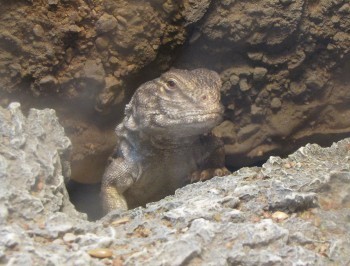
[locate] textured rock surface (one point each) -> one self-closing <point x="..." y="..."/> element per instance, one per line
<point x="293" y="210"/>
<point x="284" y="64"/>
<point x="79" y="59"/>
<point x="34" y="154"/>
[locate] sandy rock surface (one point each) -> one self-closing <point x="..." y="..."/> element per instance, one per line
<point x="284" y="64"/>
<point x="290" y="210"/>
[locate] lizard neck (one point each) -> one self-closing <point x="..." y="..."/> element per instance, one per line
<point x="168" y="142"/>
<point x="139" y="140"/>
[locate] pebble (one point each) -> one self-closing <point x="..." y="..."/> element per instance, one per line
<point x="38" y="31"/>
<point x="102" y="43"/>
<point x="255" y="110"/>
<point x="94" y="70"/>
<point x="48" y="81"/>
<point x="276" y="103"/>
<point x="314" y="82"/>
<point x="296" y="88"/>
<point x="279" y="216"/>
<point x="3" y="212"/>
<point x="106" y="23"/>
<point x="234" y="79"/>
<point x="255" y="56"/>
<point x="113" y="60"/>
<point x="226" y="86"/>
<point x="123" y="220"/>
<point x="243" y="84"/>
<point x="52" y="2"/>
<point x="100" y="253"/>
<point x="259" y="73"/>
<point x="10" y="240"/>
<point x="69" y="237"/>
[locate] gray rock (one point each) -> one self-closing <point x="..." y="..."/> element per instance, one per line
<point x="34" y="153"/>
<point x="226" y="220"/>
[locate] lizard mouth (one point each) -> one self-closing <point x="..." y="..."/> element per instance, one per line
<point x="188" y="122"/>
<point x="195" y="115"/>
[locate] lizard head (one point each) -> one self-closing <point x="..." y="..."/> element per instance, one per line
<point x="180" y="103"/>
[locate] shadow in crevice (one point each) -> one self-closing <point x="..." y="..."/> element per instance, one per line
<point x="86" y="198"/>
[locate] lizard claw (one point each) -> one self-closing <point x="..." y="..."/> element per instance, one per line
<point x="203" y="175"/>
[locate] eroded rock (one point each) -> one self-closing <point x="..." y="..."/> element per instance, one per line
<point x="292" y="209"/>
<point x="284" y="66"/>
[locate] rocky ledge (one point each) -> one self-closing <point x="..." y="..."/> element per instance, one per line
<point x="292" y="211"/>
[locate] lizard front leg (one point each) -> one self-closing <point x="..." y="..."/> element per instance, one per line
<point x="210" y="160"/>
<point x="206" y="174"/>
<point x="116" y="180"/>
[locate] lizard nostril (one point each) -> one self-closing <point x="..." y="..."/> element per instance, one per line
<point x="204" y="97"/>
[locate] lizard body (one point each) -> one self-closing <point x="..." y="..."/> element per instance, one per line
<point x="163" y="139"/>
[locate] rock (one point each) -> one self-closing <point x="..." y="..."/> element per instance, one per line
<point x="226" y="87"/>
<point x="102" y="43"/>
<point x="259" y="73"/>
<point x="314" y="82"/>
<point x="112" y="83"/>
<point x="106" y="23"/>
<point x="73" y="29"/>
<point x="286" y="37"/>
<point x="193" y="10"/>
<point x="279" y="216"/>
<point x="296" y="208"/>
<point x="94" y="70"/>
<point x="35" y="154"/>
<point x="48" y="81"/>
<point x="256" y="110"/>
<point x="101" y="253"/>
<point x="234" y="79"/>
<point x="69" y="237"/>
<point x="243" y="85"/>
<point x="297" y="89"/>
<point x="112" y="92"/>
<point x="276" y="103"/>
<point x="225" y="130"/>
<point x="256" y="56"/>
<point x="38" y="31"/>
<point x="53" y="2"/>
<point x="114" y="60"/>
<point x="247" y="131"/>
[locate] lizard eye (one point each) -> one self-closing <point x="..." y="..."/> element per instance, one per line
<point x="171" y="83"/>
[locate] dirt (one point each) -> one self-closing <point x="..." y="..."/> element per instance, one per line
<point x="284" y="65"/>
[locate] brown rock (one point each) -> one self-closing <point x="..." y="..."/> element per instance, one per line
<point x="106" y="23"/>
<point x="101" y="253"/>
<point x="38" y="31"/>
<point x="259" y="73"/>
<point x="243" y="84"/>
<point x="102" y="43"/>
<point x="94" y="70"/>
<point x="48" y="81"/>
<point x="276" y="103"/>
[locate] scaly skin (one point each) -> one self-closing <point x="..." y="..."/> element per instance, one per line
<point x="163" y="140"/>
